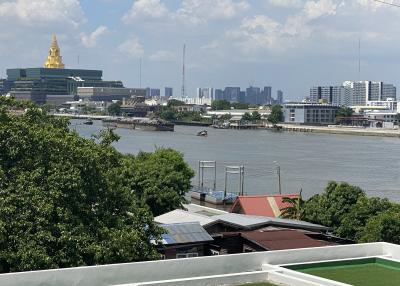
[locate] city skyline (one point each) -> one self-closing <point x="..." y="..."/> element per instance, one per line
<point x="287" y="44"/>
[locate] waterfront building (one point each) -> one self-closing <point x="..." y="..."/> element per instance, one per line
<point x="310" y="113"/>
<point x="168" y="92"/>
<point x="205" y="92"/>
<point x="53" y="79"/>
<point x="109" y="93"/>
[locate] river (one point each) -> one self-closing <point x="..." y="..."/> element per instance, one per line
<point x="307" y="160"/>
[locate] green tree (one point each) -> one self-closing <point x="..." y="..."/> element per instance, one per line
<point x="225" y="117"/>
<point x="255" y="116"/>
<point x="175" y="102"/>
<point x="240" y="105"/>
<point x="398" y="118"/>
<point x="168" y="115"/>
<point x="68" y="201"/>
<point x="353" y="223"/>
<point x="295" y="208"/>
<point x="343" y="113"/>
<point x="247" y="117"/>
<point x="384" y="226"/>
<point x="114" y="108"/>
<point x="330" y="207"/>
<point x="220" y="105"/>
<point x="276" y="115"/>
<point x="161" y="180"/>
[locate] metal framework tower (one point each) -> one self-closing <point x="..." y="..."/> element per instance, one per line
<point x="236" y="170"/>
<point x="183" y="94"/>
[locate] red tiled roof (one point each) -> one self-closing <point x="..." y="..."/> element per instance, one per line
<point x="283" y="239"/>
<point x="263" y="205"/>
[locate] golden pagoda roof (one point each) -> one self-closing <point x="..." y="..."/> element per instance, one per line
<point x="54" y="59"/>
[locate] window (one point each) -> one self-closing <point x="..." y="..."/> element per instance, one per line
<point x="187" y="255"/>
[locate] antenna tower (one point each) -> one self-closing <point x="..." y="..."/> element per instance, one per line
<point x="183" y="94"/>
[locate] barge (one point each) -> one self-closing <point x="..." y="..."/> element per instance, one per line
<point x="140" y="124"/>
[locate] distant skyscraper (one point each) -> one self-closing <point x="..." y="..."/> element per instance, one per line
<point x="205" y="92"/>
<point x="265" y="96"/>
<point x="155" y="92"/>
<point x="218" y="94"/>
<point x="168" y="92"/>
<point x="279" y="96"/>
<point x="231" y="94"/>
<point x="252" y="95"/>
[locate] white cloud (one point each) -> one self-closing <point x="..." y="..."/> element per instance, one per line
<point x="162" y="56"/>
<point x="132" y="47"/>
<point x="31" y="12"/>
<point x="200" y="11"/>
<point x="146" y="9"/>
<point x="91" y="39"/>
<point x="286" y="3"/>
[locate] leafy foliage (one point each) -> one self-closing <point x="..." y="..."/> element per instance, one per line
<point x="276" y="115"/>
<point x="66" y="201"/>
<point x="115" y="108"/>
<point x="175" y="102"/>
<point x="329" y="207"/>
<point x="220" y="105"/>
<point x="385" y="226"/>
<point x="295" y="208"/>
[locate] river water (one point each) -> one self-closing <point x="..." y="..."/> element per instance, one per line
<point x="307" y="160"/>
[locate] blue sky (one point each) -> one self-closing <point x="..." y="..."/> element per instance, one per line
<point x="288" y="44"/>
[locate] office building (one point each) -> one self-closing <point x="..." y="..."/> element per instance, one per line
<point x="310" y="113"/>
<point x="53" y="79"/>
<point x="109" y="93"/>
<point x="266" y="95"/>
<point x="168" y="92"/>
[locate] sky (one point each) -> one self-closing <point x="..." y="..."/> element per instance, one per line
<point x="287" y="44"/>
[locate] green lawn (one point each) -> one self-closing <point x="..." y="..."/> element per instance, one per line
<point x="359" y="275"/>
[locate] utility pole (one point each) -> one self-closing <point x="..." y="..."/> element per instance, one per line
<point x="183" y="94"/>
<point x="278" y="172"/>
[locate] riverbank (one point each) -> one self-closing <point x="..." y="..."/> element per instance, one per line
<point x="343" y="130"/>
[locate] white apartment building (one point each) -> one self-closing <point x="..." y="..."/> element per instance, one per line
<point x="363" y="92"/>
<point x="205" y="92"/>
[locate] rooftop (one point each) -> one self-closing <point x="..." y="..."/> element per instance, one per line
<point x="180" y="233"/>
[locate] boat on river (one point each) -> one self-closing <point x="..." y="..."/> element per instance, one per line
<point x="140" y="124"/>
<point x="203" y="133"/>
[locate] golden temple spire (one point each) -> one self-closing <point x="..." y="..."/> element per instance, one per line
<point x="54" y="59"/>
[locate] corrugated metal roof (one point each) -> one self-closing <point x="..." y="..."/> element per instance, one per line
<point x="181" y="216"/>
<point x="180" y="233"/>
<point x="262" y="205"/>
<point x="251" y="222"/>
<point x="283" y="239"/>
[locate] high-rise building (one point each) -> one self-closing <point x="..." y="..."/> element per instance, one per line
<point x="205" y="92"/>
<point x="231" y="94"/>
<point x="155" y="92"/>
<point x="336" y="95"/>
<point x="252" y="94"/>
<point x="266" y="96"/>
<point x="361" y="92"/>
<point x="168" y="92"/>
<point x="279" y="96"/>
<point x="218" y="94"/>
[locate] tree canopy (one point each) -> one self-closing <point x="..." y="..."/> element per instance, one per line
<point x="220" y="105"/>
<point x="115" y="108"/>
<point x="276" y="115"/>
<point x="69" y="201"/>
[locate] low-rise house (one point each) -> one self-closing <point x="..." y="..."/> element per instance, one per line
<point x="184" y="240"/>
<point x="262" y="205"/>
